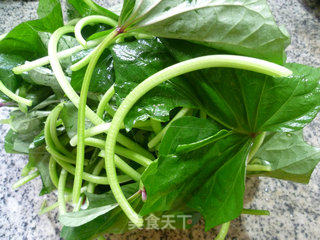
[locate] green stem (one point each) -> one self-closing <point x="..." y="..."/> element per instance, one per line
<point x="77" y="207"/>
<point x="258" y="168"/>
<point x="89" y="177"/>
<point x="82" y="113"/>
<point x="61" y="187"/>
<point x="96" y="171"/>
<point x="255" y="212"/>
<point x="157" y="139"/>
<point x="54" y="176"/>
<point x="178" y="69"/>
<point x="14" y="96"/>
<point x="125" y="168"/>
<point x="89" y="20"/>
<point x="156" y="126"/>
<point x="54" y="115"/>
<point x="203" y="114"/>
<point x="96" y="130"/>
<point x="104" y="101"/>
<point x="73" y="96"/>
<point x="25" y="179"/>
<point x="223" y="231"/>
<point x="60" y="55"/>
<point x="256" y="145"/>
<point x="94" y="142"/>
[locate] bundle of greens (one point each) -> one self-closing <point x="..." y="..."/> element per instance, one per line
<point x="163" y="108"/>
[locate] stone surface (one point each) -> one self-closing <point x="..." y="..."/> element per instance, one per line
<point x="295" y="208"/>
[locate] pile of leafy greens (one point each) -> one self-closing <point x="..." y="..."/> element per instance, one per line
<point x="220" y="103"/>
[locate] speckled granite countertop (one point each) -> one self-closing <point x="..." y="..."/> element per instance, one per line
<point x="295" y="208"/>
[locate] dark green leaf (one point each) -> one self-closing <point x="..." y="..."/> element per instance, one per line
<point x="240" y="27"/>
<point x="209" y="179"/>
<point x="39" y="158"/>
<point x="24" y="39"/>
<point x="114" y="221"/>
<point x="250" y="102"/>
<point x="7" y="77"/>
<point x="79" y="8"/>
<point x="102" y="77"/>
<point x="289" y="156"/>
<point x="133" y="63"/>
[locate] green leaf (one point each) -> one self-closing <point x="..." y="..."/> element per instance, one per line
<point x="209" y="179"/>
<point x="102" y="77"/>
<point x="240" y="27"/>
<point x="126" y="10"/>
<point x="39" y="158"/>
<point x="114" y="221"/>
<point x="7" y="77"/>
<point x="80" y="8"/>
<point x="289" y="157"/>
<point x="249" y="102"/>
<point x="24" y="128"/>
<point x="69" y="116"/>
<point x="44" y="77"/>
<point x="24" y="39"/>
<point x="133" y="63"/>
<point x="75" y="219"/>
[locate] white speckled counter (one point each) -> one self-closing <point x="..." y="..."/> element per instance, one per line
<point x="295" y="208"/>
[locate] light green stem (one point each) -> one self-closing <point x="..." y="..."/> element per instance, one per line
<point x="25" y="179"/>
<point x="73" y="96"/>
<point x="54" y="115"/>
<point x="96" y="130"/>
<point x="256" y="145"/>
<point x="105" y="100"/>
<point x="90" y="177"/>
<point x="54" y="176"/>
<point x="232" y="61"/>
<point x="157" y="139"/>
<point x="94" y="142"/>
<point x="28" y="66"/>
<point x="258" y="168"/>
<point x="125" y="168"/>
<point x="223" y="231"/>
<point x="14" y="96"/>
<point x="156" y="126"/>
<point x="255" y="212"/>
<point x="96" y="171"/>
<point x="61" y="187"/>
<point x="82" y="114"/>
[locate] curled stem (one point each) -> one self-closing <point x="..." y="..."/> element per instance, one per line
<point x="246" y="63"/>
<point x="73" y="96"/>
<point x="89" y="20"/>
<point x="14" y="96"/>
